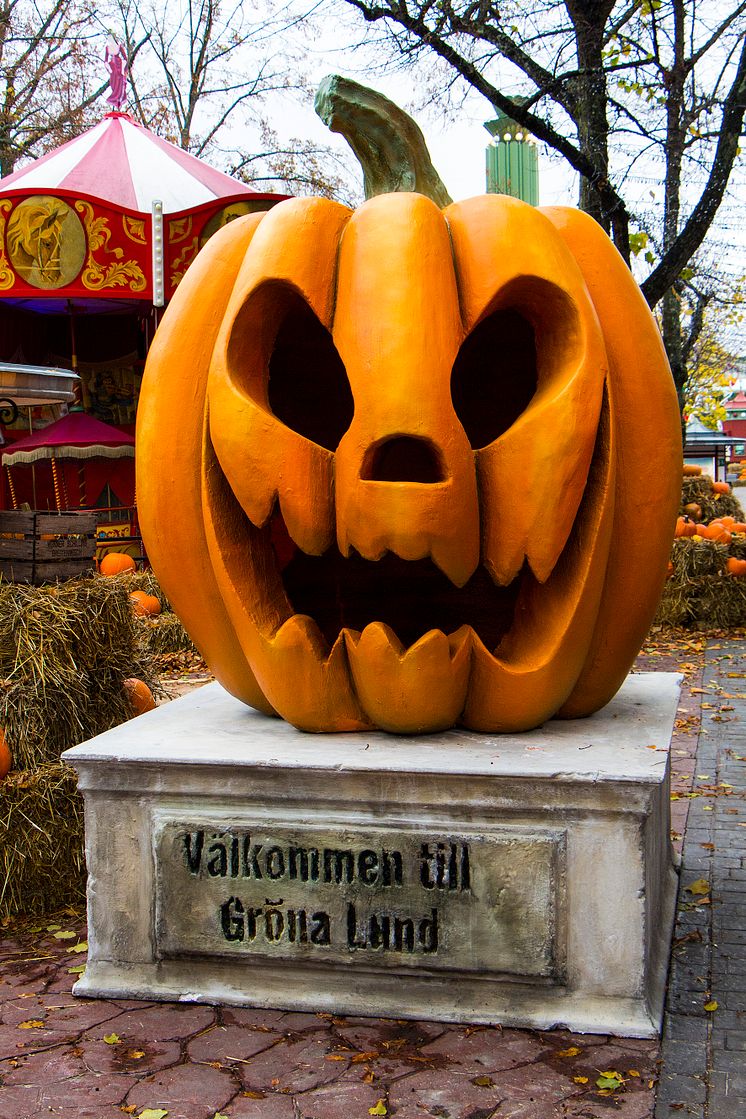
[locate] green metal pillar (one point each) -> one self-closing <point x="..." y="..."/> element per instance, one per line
<point x="512" y="161"/>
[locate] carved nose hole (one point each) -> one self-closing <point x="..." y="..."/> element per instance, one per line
<point x="404" y="458"/>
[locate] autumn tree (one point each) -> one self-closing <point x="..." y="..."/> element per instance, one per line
<point x="615" y="87"/>
<point x="201" y="74"/>
<point x="715" y="321"/>
<point x="48" y="78"/>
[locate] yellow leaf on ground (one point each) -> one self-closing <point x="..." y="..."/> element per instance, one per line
<point x="65" y="934"/>
<point x="571" y="1051"/>
<point x="81" y="946"/>
<point x="701" y="886"/>
<point x="153" y="1113"/>
<point x="711" y="1005"/>
<point x="379" y="1109"/>
<point x="610" y="1081"/>
<point x="483" y="1082"/>
<point x="32" y="1024"/>
<point x="112" y="1039"/>
<point x="77" y="970"/>
<point x="580" y="1079"/>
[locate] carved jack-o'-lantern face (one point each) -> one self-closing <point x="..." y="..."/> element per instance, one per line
<point x="390" y="462"/>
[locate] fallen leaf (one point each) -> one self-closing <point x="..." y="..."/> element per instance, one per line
<point x="483" y="1082"/>
<point x="253" y="1095"/>
<point x="81" y="946"/>
<point x="708" y="846"/>
<point x="572" y="1051"/>
<point x="112" y="1039"/>
<point x="580" y="1079"/>
<point x="711" y="1005"/>
<point x="32" y="1024"/>
<point x="128" y="1108"/>
<point x="219" y="1115"/>
<point x="632" y="1072"/>
<point x="135" y="1054"/>
<point x="379" y="1109"/>
<point x="51" y="928"/>
<point x="153" y="1113"/>
<point x="77" y="970"/>
<point x="610" y="1081"/>
<point x="368" y="1078"/>
<point x="65" y="934"/>
<point x="701" y="886"/>
<point x="359" y="1058"/>
<point x="334" y="1057"/>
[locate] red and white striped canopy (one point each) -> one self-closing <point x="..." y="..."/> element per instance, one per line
<point x="120" y="162"/>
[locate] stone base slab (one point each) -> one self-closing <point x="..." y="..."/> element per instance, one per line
<point x="521" y="879"/>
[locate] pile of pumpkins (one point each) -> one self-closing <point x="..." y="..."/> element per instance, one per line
<point x="145" y="606"/>
<point x="117" y="563"/>
<point x="720" y="530"/>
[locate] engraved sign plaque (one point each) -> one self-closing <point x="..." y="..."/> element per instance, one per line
<point x="365" y="896"/>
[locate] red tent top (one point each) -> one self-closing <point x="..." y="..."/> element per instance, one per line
<point x="76" y="435"/>
<point x="120" y="162"/>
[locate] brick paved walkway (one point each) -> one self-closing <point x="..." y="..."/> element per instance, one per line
<point x="94" y="1059"/>
<point x="703" y="1073"/>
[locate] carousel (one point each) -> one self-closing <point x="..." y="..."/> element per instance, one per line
<point x="95" y="237"/>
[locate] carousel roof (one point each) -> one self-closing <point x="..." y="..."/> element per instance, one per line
<point x="121" y="162"/>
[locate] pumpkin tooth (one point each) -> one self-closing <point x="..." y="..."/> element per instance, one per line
<point x="309" y="681"/>
<point x="415" y="690"/>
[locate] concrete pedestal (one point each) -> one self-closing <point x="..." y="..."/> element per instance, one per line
<point x="522" y="879"/>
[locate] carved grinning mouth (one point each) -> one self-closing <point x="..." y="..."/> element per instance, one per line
<point x="412" y="597"/>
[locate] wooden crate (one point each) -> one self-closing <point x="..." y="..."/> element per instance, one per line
<point x="41" y="547"/>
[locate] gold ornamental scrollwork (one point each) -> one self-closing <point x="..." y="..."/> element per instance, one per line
<point x="134" y="228"/>
<point x="179" y="229"/>
<point x="7" y="275"/>
<point x="183" y="260"/>
<point x="117" y="273"/>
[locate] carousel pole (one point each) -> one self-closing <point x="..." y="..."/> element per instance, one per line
<point x="82" y="492"/>
<point x="11" y="487"/>
<point x="56" y="482"/>
<point x="65" y="502"/>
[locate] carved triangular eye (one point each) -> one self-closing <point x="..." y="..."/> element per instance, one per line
<point x="308" y="388"/>
<point x="494" y="376"/>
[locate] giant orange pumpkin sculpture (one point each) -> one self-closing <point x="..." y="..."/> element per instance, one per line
<point x="410" y="467"/>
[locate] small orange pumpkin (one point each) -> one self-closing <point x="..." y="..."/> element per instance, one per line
<point x="115" y="563"/>
<point x="145" y="605"/>
<point x="736" y="567"/>
<point x="6" y="759"/>
<point x="693" y="510"/>
<point x="692" y="471"/>
<point x="685" y="527"/>
<point x="139" y="696"/>
<point x="720" y="487"/>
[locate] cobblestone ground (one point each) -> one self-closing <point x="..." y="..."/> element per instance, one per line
<point x="703" y="1071"/>
<point x="95" y="1059"/>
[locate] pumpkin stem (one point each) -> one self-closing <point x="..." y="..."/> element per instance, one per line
<point x="386" y="141"/>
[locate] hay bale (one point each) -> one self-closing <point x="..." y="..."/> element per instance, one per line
<point x="712" y="504"/>
<point x="165" y="634"/>
<point x="700" y="592"/>
<point x="42" y="866"/>
<point x="65" y="652"/>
